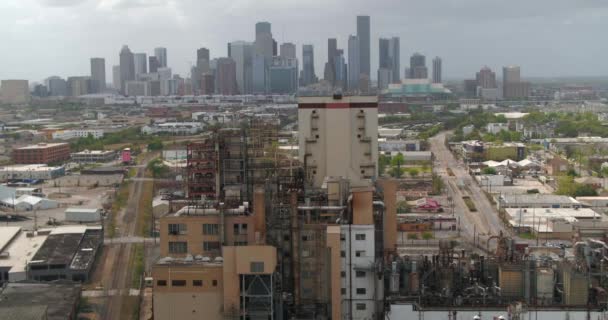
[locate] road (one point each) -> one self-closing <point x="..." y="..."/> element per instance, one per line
<point x="481" y="224"/>
<point x="113" y="272"/>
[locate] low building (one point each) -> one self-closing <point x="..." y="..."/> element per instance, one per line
<point x="554" y="223"/>
<point x="67" y="253"/>
<point x="40" y="301"/>
<point x="398" y="145"/>
<point x="86" y="215"/>
<point x="30" y="172"/>
<point x="46" y="153"/>
<point x="594" y="202"/>
<point x="495" y="128"/>
<point x="173" y="128"/>
<point x="88" y="180"/>
<point x="557" y="165"/>
<point x="18" y="200"/>
<point x="14" y="91"/>
<point x="77" y="133"/>
<point x="104" y="171"/>
<point x="94" y="156"/>
<point x="506" y="201"/>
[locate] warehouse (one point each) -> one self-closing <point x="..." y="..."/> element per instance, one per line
<point x="30" y="172"/>
<point x="94" y="156"/>
<point x="83" y="215"/>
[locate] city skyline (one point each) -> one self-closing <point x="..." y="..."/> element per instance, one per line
<point x="460" y="32"/>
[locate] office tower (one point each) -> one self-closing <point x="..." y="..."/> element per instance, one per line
<point x="407" y="73"/>
<point x="418" y="68"/>
<point x="259" y="73"/>
<point x="78" y="86"/>
<point x="394" y="51"/>
<point x="207" y="84"/>
<point x="167" y="87"/>
<point x="242" y="54"/>
<point x="116" y="78"/>
<point x="56" y="86"/>
<point x="437" y="70"/>
<point x="127" y="67"/>
<point x="264" y="43"/>
<point x="340" y="70"/>
<point x="14" y="91"/>
<point x="283" y="76"/>
<point x="226" y="81"/>
<point x="470" y="88"/>
<point x="363" y="34"/>
<point x="332" y="50"/>
<point x="486" y="78"/>
<point x="384" y="64"/>
<point x="141" y="63"/>
<point x="195" y="79"/>
<point x="202" y="59"/>
<point x="513" y="87"/>
<point x="354" y="71"/>
<point x="308" y="65"/>
<point x="161" y="55"/>
<point x="153" y="64"/>
<point x="40" y="91"/>
<point x="288" y="50"/>
<point x="98" y="75"/>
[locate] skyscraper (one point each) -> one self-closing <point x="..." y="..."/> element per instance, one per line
<point x="127" y="67"/>
<point x="116" y="83"/>
<point x="98" y="75"/>
<point x="513" y="87"/>
<point x="394" y="51"/>
<point x="141" y="63"/>
<point x="418" y="68"/>
<point x="161" y="55"/>
<point x="226" y="82"/>
<point x="288" y="50"/>
<point x="363" y="34"/>
<point x="486" y="78"/>
<point x="202" y="59"/>
<point x="153" y="64"/>
<point x="437" y="70"/>
<point x="242" y="54"/>
<point x="283" y="75"/>
<point x="264" y="43"/>
<point x="308" y="65"/>
<point x="354" y="71"/>
<point x="330" y="67"/>
<point x="385" y="69"/>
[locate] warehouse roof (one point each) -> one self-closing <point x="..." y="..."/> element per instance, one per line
<point x="57" y="299"/>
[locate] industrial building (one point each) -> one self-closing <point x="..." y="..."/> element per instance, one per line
<point x="505" y="201"/>
<point x="39" y="301"/>
<point x="42" y="153"/>
<point x="94" y="156"/>
<point x="62" y="253"/>
<point x="557" y="223"/>
<point x="30" y="172"/>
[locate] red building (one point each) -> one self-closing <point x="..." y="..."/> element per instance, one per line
<point x="42" y="153"/>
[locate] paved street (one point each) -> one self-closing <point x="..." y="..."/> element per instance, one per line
<point x="485" y="222"/>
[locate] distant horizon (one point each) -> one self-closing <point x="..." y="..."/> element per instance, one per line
<point x="549" y="39"/>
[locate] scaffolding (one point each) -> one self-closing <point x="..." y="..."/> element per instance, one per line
<point x="201" y="164"/>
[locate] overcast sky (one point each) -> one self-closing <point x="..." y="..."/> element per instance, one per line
<point x="41" y="38"/>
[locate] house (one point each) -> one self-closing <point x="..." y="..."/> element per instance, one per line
<point x="495" y="128"/>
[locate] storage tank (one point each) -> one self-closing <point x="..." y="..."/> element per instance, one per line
<point x="510" y="279"/>
<point x="544" y="285"/>
<point x="576" y="288"/>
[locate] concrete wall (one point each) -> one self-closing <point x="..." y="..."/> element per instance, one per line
<point x="188" y="302"/>
<point x="340" y="137"/>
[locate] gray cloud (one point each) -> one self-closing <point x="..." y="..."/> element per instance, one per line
<point x="546" y="37"/>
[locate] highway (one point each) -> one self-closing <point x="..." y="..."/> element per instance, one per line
<point x="481" y="224"/>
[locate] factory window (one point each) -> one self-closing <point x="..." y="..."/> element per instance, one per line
<point x="211" y="245"/>
<point x="178" y="247"/>
<point x="286" y="237"/>
<point x="360" y="236"/>
<point x="178" y="283"/>
<point x="305" y="238"/>
<point x="214" y="283"/>
<point x="256" y="266"/>
<point x="211" y="229"/>
<point x="161" y="283"/>
<point x="342" y="237"/>
<point x="343" y="291"/>
<point x="360" y="253"/>
<point x="360" y="274"/>
<point x="240" y="228"/>
<point x="177" y="228"/>
<point x="361" y="306"/>
<point x="361" y="291"/>
<point x="343" y="274"/>
<point x="240" y="243"/>
<point x="197" y="283"/>
<point x="343" y="254"/>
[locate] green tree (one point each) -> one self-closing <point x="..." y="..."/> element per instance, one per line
<point x="413" y="172"/>
<point x="427" y="235"/>
<point x="489" y="171"/>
